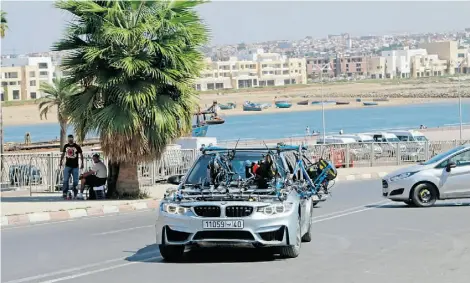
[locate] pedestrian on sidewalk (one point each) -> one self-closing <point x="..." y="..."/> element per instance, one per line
<point x="71" y="151"/>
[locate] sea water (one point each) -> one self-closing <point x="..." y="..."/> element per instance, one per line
<point x="289" y="124"/>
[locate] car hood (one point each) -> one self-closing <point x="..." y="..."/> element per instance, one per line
<point x="413" y="168"/>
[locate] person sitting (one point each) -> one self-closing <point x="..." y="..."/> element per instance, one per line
<point x="96" y="177"/>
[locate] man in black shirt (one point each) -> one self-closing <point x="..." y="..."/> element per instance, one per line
<point x="71" y="152"/>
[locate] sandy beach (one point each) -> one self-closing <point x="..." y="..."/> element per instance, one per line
<point x="398" y="93"/>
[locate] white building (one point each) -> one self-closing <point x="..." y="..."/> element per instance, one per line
<point x="252" y="69"/>
<point x="398" y="62"/>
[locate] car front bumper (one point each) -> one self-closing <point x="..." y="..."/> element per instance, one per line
<point x="397" y="190"/>
<point x="258" y="229"/>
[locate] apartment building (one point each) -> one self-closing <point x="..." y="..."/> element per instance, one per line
<point x="259" y="69"/>
<point x="429" y="65"/>
<point x="376" y="67"/>
<point x="21" y="77"/>
<point x="445" y="50"/>
<point x="323" y="66"/>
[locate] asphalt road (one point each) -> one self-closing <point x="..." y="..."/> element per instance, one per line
<point x="357" y="237"/>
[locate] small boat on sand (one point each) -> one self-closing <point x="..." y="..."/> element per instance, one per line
<point x="303" y="102"/>
<point x="228" y="106"/>
<point x="249" y="106"/>
<point x="283" y="104"/>
<point x="370" y="103"/>
<point x="327" y="102"/>
<point x="342" y="102"/>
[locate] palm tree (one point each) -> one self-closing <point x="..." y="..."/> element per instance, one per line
<point x="137" y="61"/>
<point x="3" y="23"/>
<point x="57" y="95"/>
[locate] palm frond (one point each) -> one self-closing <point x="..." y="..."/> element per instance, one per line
<point x="136" y="62"/>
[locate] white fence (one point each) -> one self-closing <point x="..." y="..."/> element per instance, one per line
<point x="41" y="172"/>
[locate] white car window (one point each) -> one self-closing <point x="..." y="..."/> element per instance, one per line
<point x="462" y="159"/>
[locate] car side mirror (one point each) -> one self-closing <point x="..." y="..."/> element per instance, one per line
<point x="175" y="179"/>
<point x="450" y="165"/>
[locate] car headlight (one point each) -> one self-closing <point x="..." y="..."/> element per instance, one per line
<point x="278" y="208"/>
<point x="173" y="208"/>
<point x="402" y="176"/>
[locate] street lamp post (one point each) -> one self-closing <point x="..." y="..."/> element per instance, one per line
<point x="326" y="66"/>
<point x="460" y="100"/>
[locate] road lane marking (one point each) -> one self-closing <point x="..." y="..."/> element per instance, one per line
<point x="325" y="217"/>
<point x="350" y="213"/>
<point x="122" y="230"/>
<point x="78" y="268"/>
<point x="99" y="270"/>
<point x="349" y="209"/>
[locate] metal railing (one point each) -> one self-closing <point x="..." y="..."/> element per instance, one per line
<point x="40" y="172"/>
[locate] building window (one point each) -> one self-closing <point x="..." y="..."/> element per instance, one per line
<point x="16" y="94"/>
<point x="32" y="74"/>
<point x="219" y="85"/>
<point x="12" y="83"/>
<point x="210" y="86"/>
<point x="287" y="82"/>
<point x="4" y="83"/>
<point x="11" y="75"/>
<point x="32" y="83"/>
<point x="42" y="66"/>
<point x="33" y="95"/>
<point x="43" y="73"/>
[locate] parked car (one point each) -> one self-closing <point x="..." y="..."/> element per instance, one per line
<point x="217" y="203"/>
<point x="444" y="176"/>
<point x="25" y="175"/>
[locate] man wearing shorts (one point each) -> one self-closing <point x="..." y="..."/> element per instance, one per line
<point x="96" y="176"/>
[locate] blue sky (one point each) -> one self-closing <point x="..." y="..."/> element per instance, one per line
<point x="35" y="25"/>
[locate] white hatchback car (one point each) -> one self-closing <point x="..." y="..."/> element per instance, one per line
<point x="445" y="176"/>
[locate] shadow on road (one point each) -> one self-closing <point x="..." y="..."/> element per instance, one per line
<point x="404" y="206"/>
<point x="207" y="255"/>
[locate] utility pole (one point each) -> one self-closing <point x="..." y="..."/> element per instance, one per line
<point x="1" y="138"/>
<point x="460" y="100"/>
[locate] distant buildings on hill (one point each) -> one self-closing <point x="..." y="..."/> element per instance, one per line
<point x="21" y="76"/>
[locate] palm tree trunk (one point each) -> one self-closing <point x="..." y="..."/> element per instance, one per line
<point x="113" y="174"/>
<point x="127" y="184"/>
<point x="63" y="132"/>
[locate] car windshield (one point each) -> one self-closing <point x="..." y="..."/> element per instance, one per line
<point x="443" y="155"/>
<point x="420" y="138"/>
<point x="393" y="140"/>
<point x="199" y="171"/>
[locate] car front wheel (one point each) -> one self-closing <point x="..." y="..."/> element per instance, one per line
<point x="424" y="195"/>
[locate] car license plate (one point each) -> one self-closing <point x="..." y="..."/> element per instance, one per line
<point x="222" y="224"/>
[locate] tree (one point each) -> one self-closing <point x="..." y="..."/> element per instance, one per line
<point x="137" y="62"/>
<point x="57" y="95"/>
<point x="3" y="23"/>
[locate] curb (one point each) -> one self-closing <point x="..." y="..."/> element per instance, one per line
<point x="37" y="217"/>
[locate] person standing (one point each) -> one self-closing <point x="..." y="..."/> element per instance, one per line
<point x="71" y="151"/>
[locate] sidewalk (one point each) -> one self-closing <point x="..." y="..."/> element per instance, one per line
<point x="18" y="207"/>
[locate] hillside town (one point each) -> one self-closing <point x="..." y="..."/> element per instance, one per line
<point x="280" y="63"/>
